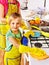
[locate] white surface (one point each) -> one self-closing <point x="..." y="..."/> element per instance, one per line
<point x="22" y="3"/>
<point x="47" y="5"/>
<point x="38" y="62"/>
<point x="25" y="14"/>
<point x="46" y="18"/>
<point x="34" y="4"/>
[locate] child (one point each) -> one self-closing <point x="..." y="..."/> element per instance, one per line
<point x="13" y="36"/>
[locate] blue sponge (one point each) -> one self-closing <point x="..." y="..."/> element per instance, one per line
<point x="24" y="41"/>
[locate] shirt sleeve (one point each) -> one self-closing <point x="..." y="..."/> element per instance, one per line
<point x="9" y="34"/>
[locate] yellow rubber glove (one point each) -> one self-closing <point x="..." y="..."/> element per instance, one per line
<point x="46" y="34"/>
<point x="36" y="53"/>
<point x="34" y="50"/>
<point x="24" y="49"/>
<point x="30" y="32"/>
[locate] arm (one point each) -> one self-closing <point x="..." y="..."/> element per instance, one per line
<point x="19" y="11"/>
<point x="14" y="42"/>
<point x="2" y="19"/>
<point x="1" y="11"/>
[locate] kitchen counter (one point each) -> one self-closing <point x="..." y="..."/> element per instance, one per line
<point x="31" y="60"/>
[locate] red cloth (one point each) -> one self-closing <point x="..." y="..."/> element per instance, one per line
<point x="18" y="4"/>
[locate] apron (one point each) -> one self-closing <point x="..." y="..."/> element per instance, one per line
<point x="13" y="57"/>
